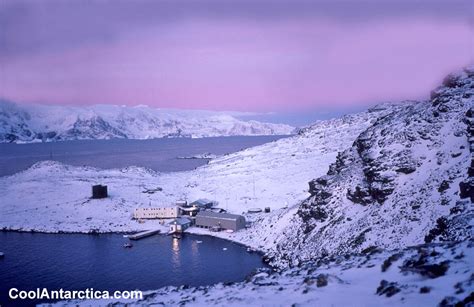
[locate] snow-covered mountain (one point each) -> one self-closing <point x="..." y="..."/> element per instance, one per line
<point x="398" y="184"/>
<point x="28" y="123"/>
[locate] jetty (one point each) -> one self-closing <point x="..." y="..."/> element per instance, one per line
<point x="144" y="234"/>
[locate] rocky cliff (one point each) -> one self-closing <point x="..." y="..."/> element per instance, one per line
<point x="397" y="185"/>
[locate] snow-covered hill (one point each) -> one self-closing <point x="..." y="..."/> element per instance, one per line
<point x="396" y="186"/>
<point x="28" y="123"/>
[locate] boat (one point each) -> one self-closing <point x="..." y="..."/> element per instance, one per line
<point x="224" y="249"/>
<point x="2" y="255"/>
<point x="198" y="242"/>
<point x="128" y="245"/>
<point x="176" y="236"/>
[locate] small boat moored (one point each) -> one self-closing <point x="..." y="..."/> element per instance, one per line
<point x="128" y="245"/>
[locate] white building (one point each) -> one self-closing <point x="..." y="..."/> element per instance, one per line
<point x="156" y="213"/>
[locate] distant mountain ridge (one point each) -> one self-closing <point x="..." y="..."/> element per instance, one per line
<point x="34" y="123"/>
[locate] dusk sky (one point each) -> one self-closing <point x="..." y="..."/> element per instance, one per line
<point x="258" y="56"/>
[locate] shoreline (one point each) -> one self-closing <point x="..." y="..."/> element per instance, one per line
<point x="254" y="250"/>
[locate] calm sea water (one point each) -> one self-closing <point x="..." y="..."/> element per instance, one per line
<point x="158" y="154"/>
<point x="78" y="262"/>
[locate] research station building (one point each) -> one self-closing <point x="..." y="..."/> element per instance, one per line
<point x="209" y="219"/>
<point x="179" y="224"/>
<point x="203" y="203"/>
<point x="156" y="213"/>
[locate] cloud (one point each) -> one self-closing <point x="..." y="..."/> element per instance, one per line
<point x="226" y="55"/>
<point x="51" y="25"/>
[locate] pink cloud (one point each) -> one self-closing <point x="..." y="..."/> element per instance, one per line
<point x="248" y="66"/>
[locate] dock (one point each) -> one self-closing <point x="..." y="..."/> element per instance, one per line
<point x="143" y="234"/>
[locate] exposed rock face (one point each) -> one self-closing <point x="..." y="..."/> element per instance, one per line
<point x="92" y="128"/>
<point x="466" y="187"/>
<point x="398" y="179"/>
<point x="12" y="124"/>
<point x="388" y="288"/>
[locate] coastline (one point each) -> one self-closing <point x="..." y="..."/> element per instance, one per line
<point x="190" y="231"/>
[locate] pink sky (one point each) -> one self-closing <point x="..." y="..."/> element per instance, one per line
<point x="301" y="62"/>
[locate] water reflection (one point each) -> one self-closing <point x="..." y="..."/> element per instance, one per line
<point x="195" y="254"/>
<point x="175" y="258"/>
<point x="194" y="249"/>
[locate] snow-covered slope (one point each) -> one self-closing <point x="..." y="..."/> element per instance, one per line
<point x="19" y="123"/>
<point x="391" y="187"/>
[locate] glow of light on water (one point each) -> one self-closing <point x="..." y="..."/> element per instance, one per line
<point x="194" y="248"/>
<point x="176" y="256"/>
<point x="195" y="261"/>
